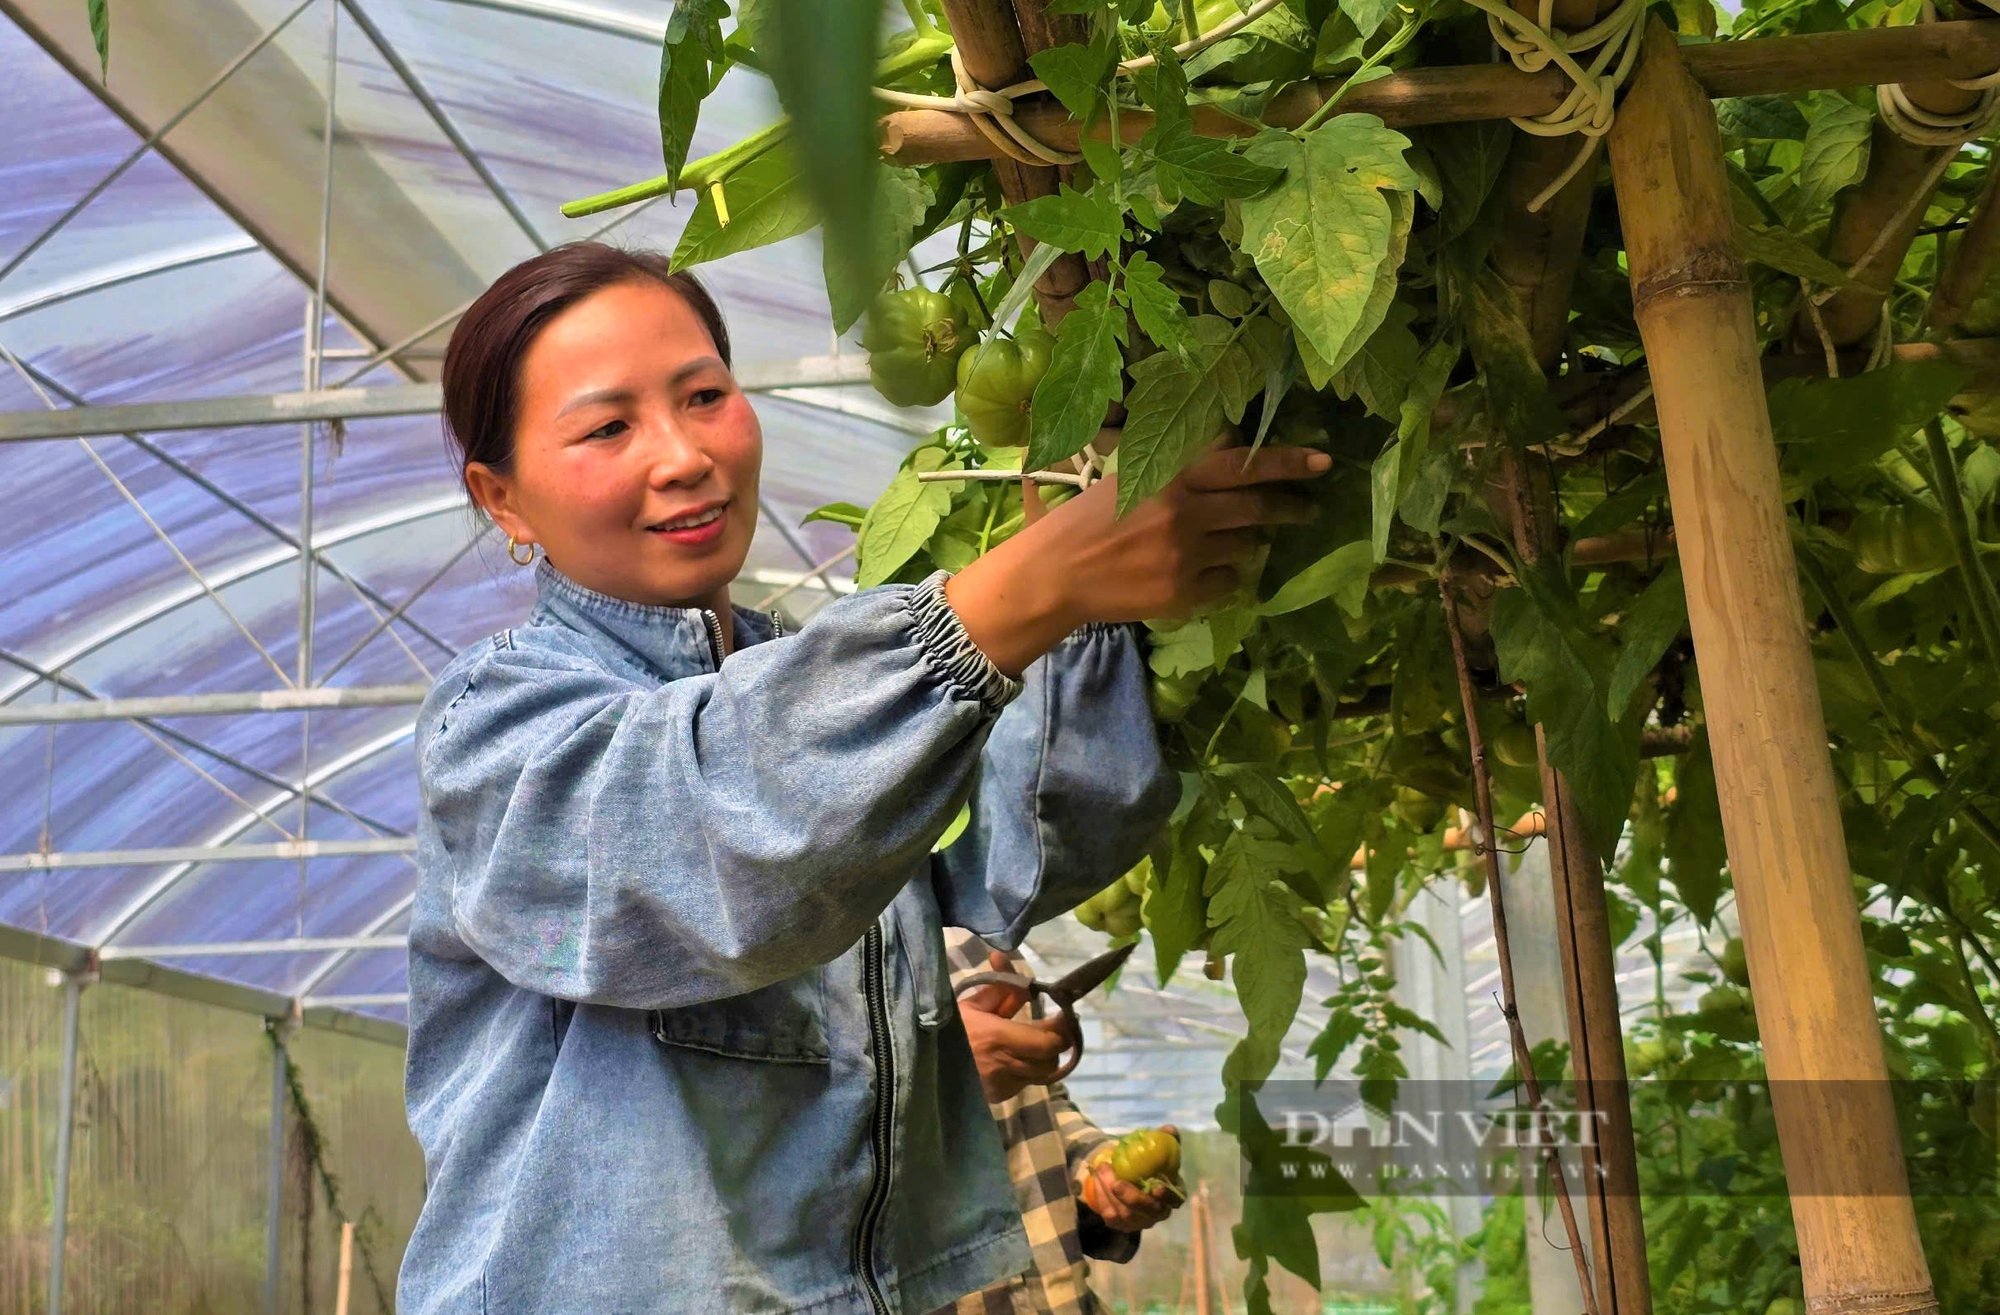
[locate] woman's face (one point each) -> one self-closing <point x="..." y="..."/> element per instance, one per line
<point x="635" y="454"/>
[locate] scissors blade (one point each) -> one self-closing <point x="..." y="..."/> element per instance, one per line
<point x="1082" y="981"/>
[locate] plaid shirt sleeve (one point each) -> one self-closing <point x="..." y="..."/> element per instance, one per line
<point x="1047" y="1138"/>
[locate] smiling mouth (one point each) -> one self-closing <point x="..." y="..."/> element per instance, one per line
<point x="693" y="520"/>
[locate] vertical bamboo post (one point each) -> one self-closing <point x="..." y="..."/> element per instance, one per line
<point x="1537" y="253"/>
<point x="1971" y="261"/>
<point x="1876" y="220"/>
<point x="345" y="1283"/>
<point x="1586" y="953"/>
<point x="989" y="43"/>
<point x="1198" y="1230"/>
<point x="1802" y="932"/>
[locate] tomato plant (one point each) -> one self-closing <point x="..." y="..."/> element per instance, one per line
<point x="1315" y="718"/>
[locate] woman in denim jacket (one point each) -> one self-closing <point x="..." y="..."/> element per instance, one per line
<point x="681" y="1033"/>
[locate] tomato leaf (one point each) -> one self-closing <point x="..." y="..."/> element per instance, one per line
<point x="1341" y="575"/>
<point x="1544" y="643"/>
<point x="902" y="520"/>
<point x="904" y="200"/>
<point x="1176" y="409"/>
<point x="765" y="206"/>
<point x="1176" y="913"/>
<point x="1320" y="236"/>
<point x="1777" y="248"/>
<point x="691" y="62"/>
<point x="1156" y="306"/>
<point x="1695" y="849"/>
<point x="838" y="513"/>
<point x="1083" y="379"/>
<point x="100" y="35"/>
<point x="1086" y="222"/>
<point x="1253" y="918"/>
<point x="821" y="60"/>
<point x="1076" y="74"/>
<point x="1654" y="621"/>
<point x="1203" y="170"/>
<point x="1829" y="426"/>
<point x="1836" y="150"/>
<point x="1258" y="786"/>
<point x="1381" y="371"/>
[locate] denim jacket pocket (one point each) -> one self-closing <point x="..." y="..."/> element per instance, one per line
<point x="781" y="1023"/>
<point x="919" y="930"/>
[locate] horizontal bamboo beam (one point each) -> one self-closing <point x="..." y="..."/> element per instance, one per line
<point x="1816" y="61"/>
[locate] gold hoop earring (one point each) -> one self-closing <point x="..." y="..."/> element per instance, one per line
<point x="514" y="553"/>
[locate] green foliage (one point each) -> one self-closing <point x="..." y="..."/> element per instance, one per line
<point x="1333" y="286"/>
<point x="691" y="63"/>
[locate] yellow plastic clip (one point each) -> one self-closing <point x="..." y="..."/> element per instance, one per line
<point x="721" y="200"/>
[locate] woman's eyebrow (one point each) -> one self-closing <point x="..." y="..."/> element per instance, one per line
<point x="592" y="398"/>
<point x="694" y="367"/>
<point x="616" y="395"/>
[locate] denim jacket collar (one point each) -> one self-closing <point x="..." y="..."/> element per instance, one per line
<point x="670" y="642"/>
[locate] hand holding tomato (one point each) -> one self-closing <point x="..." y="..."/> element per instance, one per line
<point x="1133" y="1183"/>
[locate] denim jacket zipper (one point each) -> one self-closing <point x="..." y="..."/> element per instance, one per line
<point x="884" y="1120"/>
<point x="714" y="624"/>
<point x="882" y="1126"/>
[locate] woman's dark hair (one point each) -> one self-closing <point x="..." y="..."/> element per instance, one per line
<point x="482" y="363"/>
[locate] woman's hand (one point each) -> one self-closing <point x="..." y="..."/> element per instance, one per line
<point x="1121" y="1205"/>
<point x="1082" y="562"/>
<point x="1010" y="1055"/>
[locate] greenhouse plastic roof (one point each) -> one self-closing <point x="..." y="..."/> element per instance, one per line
<point x="147" y="564"/>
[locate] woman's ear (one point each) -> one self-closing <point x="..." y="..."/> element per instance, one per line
<point x="495" y="495"/>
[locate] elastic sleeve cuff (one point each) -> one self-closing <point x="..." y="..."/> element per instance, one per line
<point x="1100" y="630"/>
<point x="951" y="652"/>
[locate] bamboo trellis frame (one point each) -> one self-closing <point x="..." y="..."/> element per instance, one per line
<point x="1861" y="1256"/>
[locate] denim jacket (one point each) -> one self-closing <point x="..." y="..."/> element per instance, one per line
<point x="682" y="1034"/>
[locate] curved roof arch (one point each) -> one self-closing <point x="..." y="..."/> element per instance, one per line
<point x="159" y="242"/>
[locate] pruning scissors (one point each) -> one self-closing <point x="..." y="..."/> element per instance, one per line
<point x="1063" y="993"/>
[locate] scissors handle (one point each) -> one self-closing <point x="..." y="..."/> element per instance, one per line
<point x="1065" y="1010"/>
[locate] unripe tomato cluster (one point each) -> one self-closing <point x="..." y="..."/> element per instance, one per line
<point x="1115" y="909"/>
<point x="921" y="350"/>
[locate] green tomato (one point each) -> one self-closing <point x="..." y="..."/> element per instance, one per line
<point x="1892" y="941"/>
<point x="1090" y="916"/>
<point x="1734" y="965"/>
<point x="1135" y="881"/>
<point x="996" y="382"/>
<point x="1416" y="809"/>
<point x="1147" y="1158"/>
<point x="1514" y="745"/>
<point x="1123" y="920"/>
<point x="914" y="338"/>
<point x="1900" y="540"/>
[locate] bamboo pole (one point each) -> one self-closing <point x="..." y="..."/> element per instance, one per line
<point x="1586" y="951"/>
<point x="1875" y="221"/>
<point x="345" y="1283"/>
<point x="990" y="44"/>
<point x="1781" y="819"/>
<point x="1971" y="260"/>
<point x="1198" y="1221"/>
<point x="1817" y="61"/>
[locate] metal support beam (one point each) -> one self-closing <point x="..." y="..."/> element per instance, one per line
<point x="65" y="1139"/>
<point x="394" y="59"/>
<point x="211" y="705"/>
<point x="274" y="1206"/>
<point x="144" y="267"/>
<point x="237" y="949"/>
<point x="382" y="1000"/>
<point x="283" y="851"/>
<point x="22" y="946"/>
<point x="352" y="403"/>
